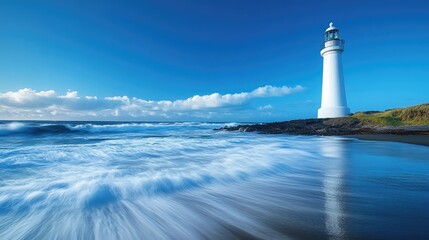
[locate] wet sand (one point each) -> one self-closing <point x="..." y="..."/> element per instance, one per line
<point x="413" y="139"/>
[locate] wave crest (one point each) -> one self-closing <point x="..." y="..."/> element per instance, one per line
<point x="37" y="128"/>
<point x="13" y="128"/>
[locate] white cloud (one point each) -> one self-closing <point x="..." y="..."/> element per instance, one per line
<point x="70" y="95"/>
<point x="266" y="107"/>
<point x="27" y="98"/>
<point x="30" y="104"/>
<point x="270" y="91"/>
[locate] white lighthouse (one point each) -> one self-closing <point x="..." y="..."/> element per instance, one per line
<point x="334" y="102"/>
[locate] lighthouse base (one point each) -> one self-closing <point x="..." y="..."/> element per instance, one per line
<point x="333" y="112"/>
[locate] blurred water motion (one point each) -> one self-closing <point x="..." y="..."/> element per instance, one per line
<point x="186" y="181"/>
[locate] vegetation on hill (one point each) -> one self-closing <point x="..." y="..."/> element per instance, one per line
<point x="415" y="115"/>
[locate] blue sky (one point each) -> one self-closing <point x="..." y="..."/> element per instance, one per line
<point x="147" y="60"/>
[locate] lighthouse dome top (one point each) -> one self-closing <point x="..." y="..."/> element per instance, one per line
<point x="331" y="33"/>
<point x="331" y="27"/>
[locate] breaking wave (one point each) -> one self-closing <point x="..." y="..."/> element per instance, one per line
<point x="37" y="128"/>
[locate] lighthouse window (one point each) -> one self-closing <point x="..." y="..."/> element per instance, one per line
<point x="336" y="35"/>
<point x="331" y="35"/>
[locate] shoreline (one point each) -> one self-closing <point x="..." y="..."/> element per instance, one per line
<point x="410" y="139"/>
<point x="348" y="127"/>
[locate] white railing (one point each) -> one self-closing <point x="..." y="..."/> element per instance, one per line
<point x="333" y="43"/>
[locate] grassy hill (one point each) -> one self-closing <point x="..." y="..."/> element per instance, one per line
<point x="415" y="115"/>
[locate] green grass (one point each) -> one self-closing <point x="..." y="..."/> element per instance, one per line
<point x="415" y="115"/>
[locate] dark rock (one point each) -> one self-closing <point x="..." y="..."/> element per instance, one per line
<point x="327" y="127"/>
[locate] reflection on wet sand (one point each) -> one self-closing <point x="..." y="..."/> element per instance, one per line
<point x="334" y="152"/>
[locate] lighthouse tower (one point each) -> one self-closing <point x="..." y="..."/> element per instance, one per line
<point x="334" y="102"/>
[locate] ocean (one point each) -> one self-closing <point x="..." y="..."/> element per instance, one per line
<point x="104" y="180"/>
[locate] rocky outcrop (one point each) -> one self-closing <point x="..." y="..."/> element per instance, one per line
<point x="328" y="127"/>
